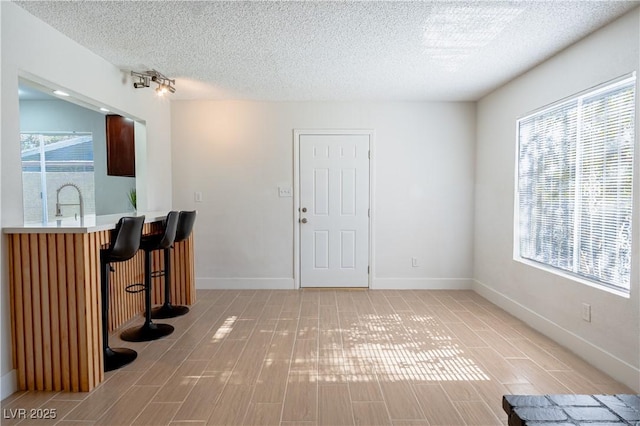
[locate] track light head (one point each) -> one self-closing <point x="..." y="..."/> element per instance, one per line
<point x="146" y="77"/>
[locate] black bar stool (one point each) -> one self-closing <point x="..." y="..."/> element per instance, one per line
<point x="167" y="310"/>
<point x="160" y="241"/>
<point x="125" y="241"/>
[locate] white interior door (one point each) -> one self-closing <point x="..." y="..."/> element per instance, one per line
<point x="334" y="210"/>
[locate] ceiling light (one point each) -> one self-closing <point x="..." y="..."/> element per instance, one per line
<point x="103" y="109"/>
<point x="60" y="93"/>
<point x="145" y="78"/>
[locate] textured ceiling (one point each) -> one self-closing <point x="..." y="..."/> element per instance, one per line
<point x="429" y="50"/>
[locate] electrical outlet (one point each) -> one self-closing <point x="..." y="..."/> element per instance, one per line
<point x="414" y="262"/>
<point x="586" y="312"/>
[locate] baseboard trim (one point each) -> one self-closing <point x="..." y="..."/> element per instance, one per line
<point x="421" y="284"/>
<point x="8" y="384"/>
<point x="245" y="284"/>
<point x="615" y="367"/>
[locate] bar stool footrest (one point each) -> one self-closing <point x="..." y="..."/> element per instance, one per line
<point x="157" y="274"/>
<point x="134" y="288"/>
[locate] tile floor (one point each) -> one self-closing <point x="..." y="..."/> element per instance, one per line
<point x="326" y="357"/>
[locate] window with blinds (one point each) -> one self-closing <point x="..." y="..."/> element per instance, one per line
<point x="575" y="176"/>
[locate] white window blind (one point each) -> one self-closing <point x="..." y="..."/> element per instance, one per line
<point x="575" y="175"/>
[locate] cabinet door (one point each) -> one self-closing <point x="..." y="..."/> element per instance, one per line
<point x="121" y="152"/>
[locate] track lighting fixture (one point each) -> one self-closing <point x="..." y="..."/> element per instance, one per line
<point x="145" y="78"/>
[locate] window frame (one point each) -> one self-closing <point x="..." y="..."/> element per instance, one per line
<point x="592" y="91"/>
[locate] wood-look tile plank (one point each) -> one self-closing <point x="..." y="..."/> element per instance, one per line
<point x="270" y="312"/>
<point x="497" y="366"/>
<point x="281" y="346"/>
<point x="272" y="381"/>
<point x="249" y="363"/>
<point x="437" y="407"/>
<point x="576" y="382"/>
<point x="365" y="390"/>
<point x="334" y="405"/>
<point x="305" y="355"/>
<point x="128" y="407"/>
<point x="204" y="351"/>
<point x="263" y="414"/>
<point x="444" y="314"/>
<point x="541" y="379"/>
<point x="227" y="355"/>
<point x="242" y="329"/>
<point x="231" y="406"/>
<point x="254" y="309"/>
<point x="300" y="402"/>
<point x="104" y="396"/>
<point x="308" y="328"/>
<point x="473" y="321"/>
<point x="398" y="304"/>
<point x="330" y="338"/>
<point x="180" y="384"/>
<point x="477" y="413"/>
<point x="202" y="398"/>
<point x="370" y="413"/>
<point x="345" y="303"/>
<point x="460" y="391"/>
<point x="328" y="316"/>
<point x="522" y="389"/>
<point x="401" y="400"/>
<point x="464" y="334"/>
<point x="157" y="414"/>
<point x="309" y="310"/>
<point x="504" y="347"/>
<point x="543" y="358"/>
<point x="164" y="368"/>
<point x="491" y="392"/>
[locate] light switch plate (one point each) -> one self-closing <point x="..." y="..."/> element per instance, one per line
<point x="197" y="196"/>
<point x="284" y="191"/>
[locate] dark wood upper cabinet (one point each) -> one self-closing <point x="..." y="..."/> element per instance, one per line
<point x="121" y="151"/>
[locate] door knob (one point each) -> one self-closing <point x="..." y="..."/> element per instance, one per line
<point x="304" y="220"/>
<point x="304" y="210"/>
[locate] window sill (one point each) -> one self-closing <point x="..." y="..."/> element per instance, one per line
<point x="572" y="277"/>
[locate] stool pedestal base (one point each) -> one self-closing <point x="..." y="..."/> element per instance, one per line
<point x="168" y="311"/>
<point x="147" y="332"/>
<point x="115" y="358"/>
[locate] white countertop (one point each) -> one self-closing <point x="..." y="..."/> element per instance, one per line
<point x="91" y="223"/>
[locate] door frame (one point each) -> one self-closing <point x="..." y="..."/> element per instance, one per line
<point x="296" y="194"/>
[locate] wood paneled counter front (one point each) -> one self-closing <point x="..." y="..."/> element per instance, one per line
<point x="54" y="274"/>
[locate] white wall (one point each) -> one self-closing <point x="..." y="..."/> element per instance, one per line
<point x="34" y="50"/>
<point x="548" y="302"/>
<point x="110" y="191"/>
<point x="238" y="153"/>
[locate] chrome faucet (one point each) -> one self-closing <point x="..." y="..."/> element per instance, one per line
<point x="79" y="204"/>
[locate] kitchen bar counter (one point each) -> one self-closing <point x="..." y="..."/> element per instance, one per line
<point x="70" y="225"/>
<point x="54" y="275"/>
